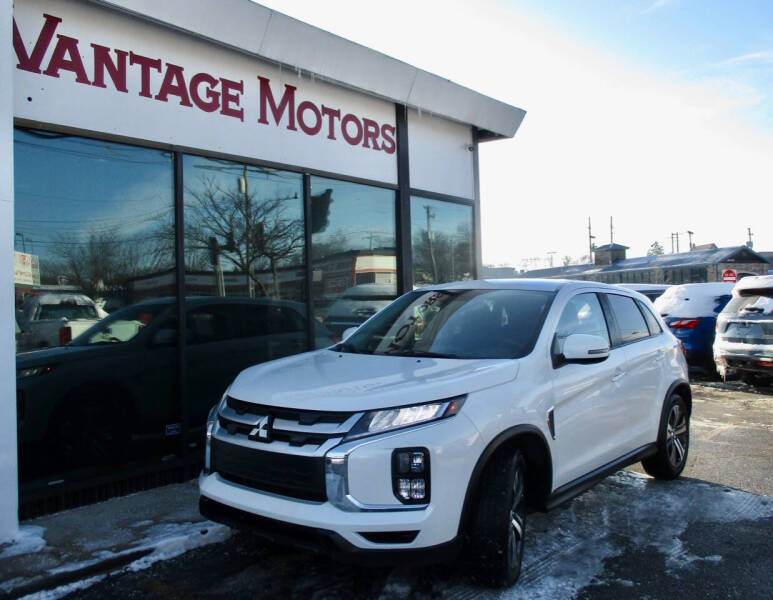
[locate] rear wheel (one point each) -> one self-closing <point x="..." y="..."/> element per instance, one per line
<point x="498" y="527"/>
<point x="673" y="441"/>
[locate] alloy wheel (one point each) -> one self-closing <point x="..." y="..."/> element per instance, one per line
<point x="676" y="435"/>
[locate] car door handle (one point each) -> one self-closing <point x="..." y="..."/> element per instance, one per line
<point x="618" y="377"/>
<point x="659" y="356"/>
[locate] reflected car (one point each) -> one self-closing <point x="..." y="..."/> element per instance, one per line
<point x="744" y="341"/>
<point x="114" y="386"/>
<point x="358" y="304"/>
<point x="54" y="319"/>
<point x="690" y="311"/>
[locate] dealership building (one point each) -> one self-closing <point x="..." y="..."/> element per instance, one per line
<point x="188" y="188"/>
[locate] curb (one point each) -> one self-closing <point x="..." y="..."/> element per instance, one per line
<point x="59" y="579"/>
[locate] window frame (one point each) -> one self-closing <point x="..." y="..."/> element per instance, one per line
<point x="617" y="341"/>
<point x="557" y="357"/>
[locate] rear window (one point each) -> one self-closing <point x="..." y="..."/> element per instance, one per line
<point x="629" y="319"/>
<point x="752" y="302"/>
<point x="67" y="311"/>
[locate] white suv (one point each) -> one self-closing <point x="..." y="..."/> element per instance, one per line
<point x="445" y="418"/>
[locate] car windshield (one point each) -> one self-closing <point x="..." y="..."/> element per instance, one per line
<point x="454" y="324"/>
<point x="121" y="326"/>
<point x="752" y="302"/>
<point x="69" y="311"/>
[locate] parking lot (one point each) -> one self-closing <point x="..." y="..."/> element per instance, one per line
<point x="709" y="534"/>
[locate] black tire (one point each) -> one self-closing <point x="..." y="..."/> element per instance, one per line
<point x="498" y="527"/>
<point x="673" y="441"/>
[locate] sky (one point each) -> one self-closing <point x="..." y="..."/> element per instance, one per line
<point x="657" y="113"/>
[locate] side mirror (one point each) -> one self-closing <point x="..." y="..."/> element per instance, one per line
<point x="164" y="337"/>
<point x="347" y="332"/>
<point x="581" y="347"/>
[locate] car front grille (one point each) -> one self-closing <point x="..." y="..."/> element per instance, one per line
<point x="290" y="475"/>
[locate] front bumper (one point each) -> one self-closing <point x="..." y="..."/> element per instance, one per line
<point x="361" y="500"/>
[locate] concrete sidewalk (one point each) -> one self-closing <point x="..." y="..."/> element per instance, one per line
<point x="62" y="552"/>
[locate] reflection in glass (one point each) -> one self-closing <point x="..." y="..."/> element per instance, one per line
<point x="441" y="241"/>
<point x="245" y="275"/>
<point x="93" y="223"/>
<point x="354" y="268"/>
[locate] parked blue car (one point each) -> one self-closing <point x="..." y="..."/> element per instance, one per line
<point x="690" y="311"/>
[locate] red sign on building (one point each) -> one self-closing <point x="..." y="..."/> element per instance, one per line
<point x="729" y="276"/>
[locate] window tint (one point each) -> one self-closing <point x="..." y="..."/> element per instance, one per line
<point x="629" y="319"/>
<point x="652" y="322"/>
<point x="208" y="324"/>
<point x="582" y="314"/>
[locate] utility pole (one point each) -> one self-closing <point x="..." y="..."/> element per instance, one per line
<point x="550" y="258"/>
<point x="675" y="236"/>
<point x="750" y="243"/>
<point x="591" y="237"/>
<point x="431" y="240"/>
<point x="611" y="231"/>
<point x="677" y="242"/>
<point x="690" y="233"/>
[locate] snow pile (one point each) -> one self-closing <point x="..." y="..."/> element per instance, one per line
<point x="28" y="541"/>
<point x="693" y="300"/>
<point x="172" y="539"/>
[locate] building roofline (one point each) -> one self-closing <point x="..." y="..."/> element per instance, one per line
<point x="261" y="32"/>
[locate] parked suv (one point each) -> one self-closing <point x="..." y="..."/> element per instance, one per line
<point x="744" y="341"/>
<point x="691" y="310"/>
<point x="447" y="417"/>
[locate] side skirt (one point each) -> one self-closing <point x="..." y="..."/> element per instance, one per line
<point x="578" y="486"/>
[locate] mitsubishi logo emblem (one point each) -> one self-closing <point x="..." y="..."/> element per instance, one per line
<point x="262" y="430"/>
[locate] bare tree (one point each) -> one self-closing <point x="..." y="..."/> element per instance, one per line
<point x="250" y="233"/>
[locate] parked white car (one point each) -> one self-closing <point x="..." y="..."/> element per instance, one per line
<point x="446" y="418"/>
<point x="53" y="319"/>
<point x="744" y="340"/>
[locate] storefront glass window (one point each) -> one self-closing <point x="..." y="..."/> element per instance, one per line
<point x="441" y="241"/>
<point x="354" y="266"/>
<point x="244" y="274"/>
<point x="94" y="241"/>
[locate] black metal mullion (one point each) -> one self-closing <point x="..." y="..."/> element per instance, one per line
<point x="310" y="337"/>
<point x="403" y="206"/>
<point x="477" y="252"/>
<point x="182" y="374"/>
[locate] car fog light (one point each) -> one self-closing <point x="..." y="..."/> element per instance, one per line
<point x="417" y="489"/>
<point x="410" y="475"/>
<point x="404" y="488"/>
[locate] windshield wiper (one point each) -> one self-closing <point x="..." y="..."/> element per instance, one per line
<point x="426" y="354"/>
<point x="350" y="348"/>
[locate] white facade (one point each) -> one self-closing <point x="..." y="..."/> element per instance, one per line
<point x="8" y="494"/>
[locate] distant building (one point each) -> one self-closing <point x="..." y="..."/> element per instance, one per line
<point x="697" y="266"/>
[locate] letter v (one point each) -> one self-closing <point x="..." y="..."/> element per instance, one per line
<point x="32" y="62"/>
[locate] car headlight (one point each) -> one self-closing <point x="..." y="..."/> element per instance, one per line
<point x="31" y="371"/>
<point x="390" y="419"/>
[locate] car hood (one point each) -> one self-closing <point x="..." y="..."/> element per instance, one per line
<point x="339" y="381"/>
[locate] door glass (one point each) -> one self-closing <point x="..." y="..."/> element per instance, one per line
<point x="244" y="265"/>
<point x="582" y="314"/>
<point x="94" y="241"/>
<point x="629" y="318"/>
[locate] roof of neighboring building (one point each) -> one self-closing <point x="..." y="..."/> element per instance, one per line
<point x="611" y="247"/>
<point x="270" y="35"/>
<point x="663" y="261"/>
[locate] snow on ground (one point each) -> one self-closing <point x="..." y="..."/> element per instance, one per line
<point x="27" y="541"/>
<point x="566" y="549"/>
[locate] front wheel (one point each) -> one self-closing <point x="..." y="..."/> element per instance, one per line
<point x="498" y="527"/>
<point x="673" y="441"/>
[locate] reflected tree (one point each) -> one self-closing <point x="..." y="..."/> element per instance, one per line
<point x="249" y="232"/>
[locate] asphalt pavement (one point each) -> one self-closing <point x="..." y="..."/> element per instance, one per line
<point x="707" y="535"/>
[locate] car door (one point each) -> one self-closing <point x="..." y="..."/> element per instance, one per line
<point x="641" y="388"/>
<point x="584" y="394"/>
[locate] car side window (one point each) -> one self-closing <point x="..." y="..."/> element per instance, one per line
<point x="652" y="322"/>
<point x="629" y="319"/>
<point x="582" y="314"/>
<point x="208" y="324"/>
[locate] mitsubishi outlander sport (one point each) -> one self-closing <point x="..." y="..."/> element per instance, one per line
<point x="447" y="417"/>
